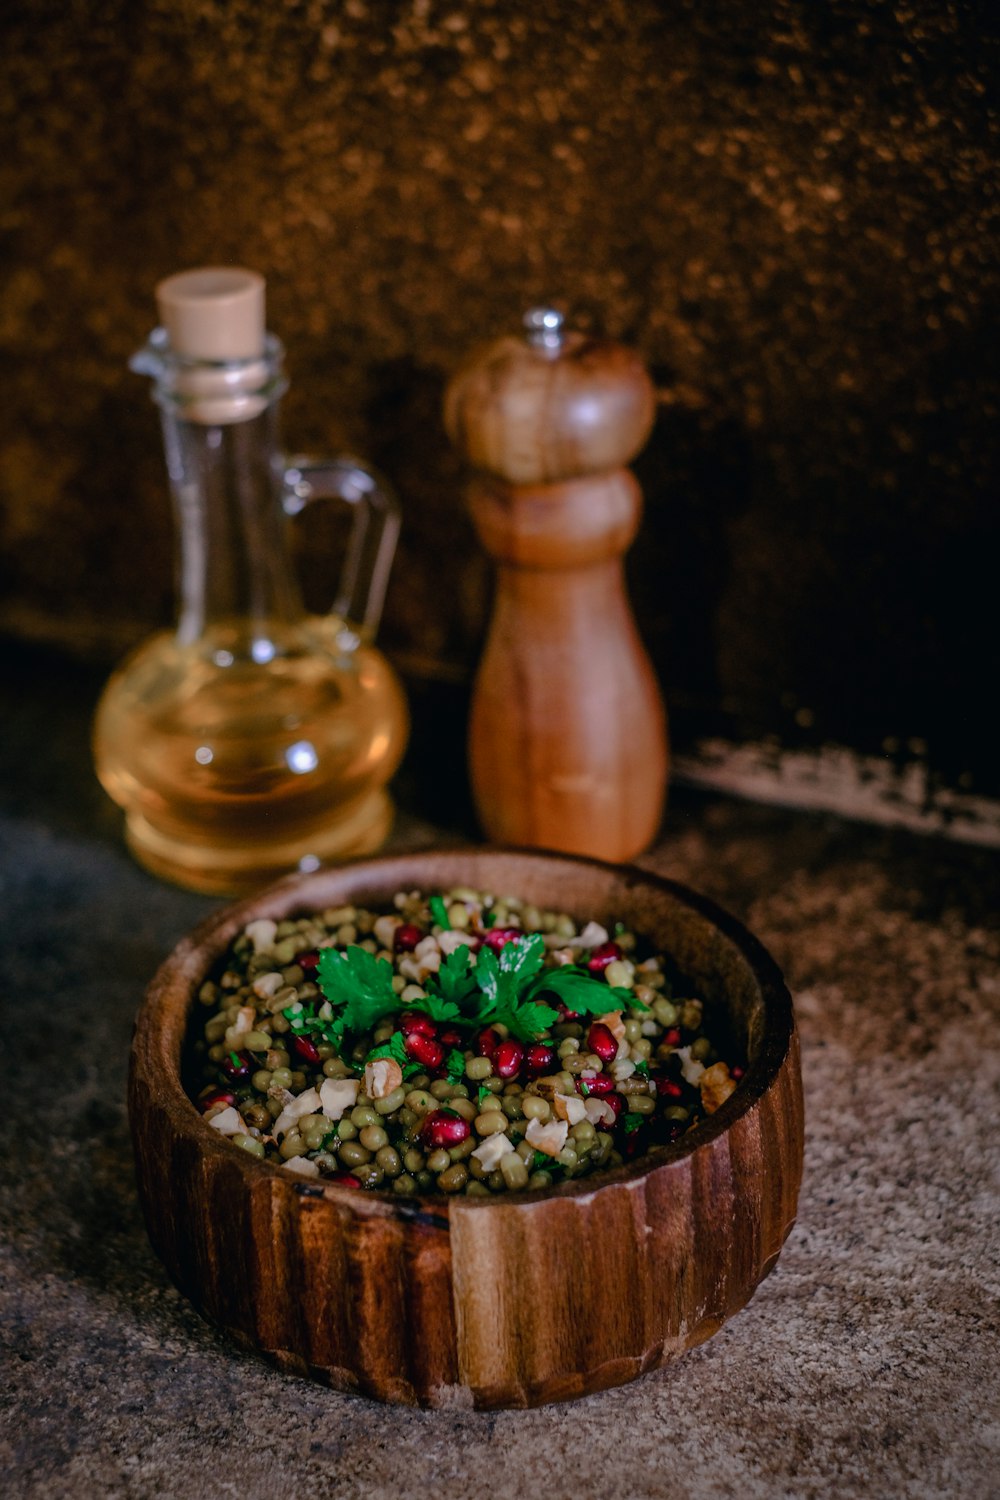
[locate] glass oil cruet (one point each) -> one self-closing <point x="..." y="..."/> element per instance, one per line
<point x="254" y="739"/>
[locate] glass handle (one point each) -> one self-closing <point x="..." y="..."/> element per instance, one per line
<point x="374" y="529"/>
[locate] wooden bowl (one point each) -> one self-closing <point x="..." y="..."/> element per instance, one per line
<point x="508" y="1301"/>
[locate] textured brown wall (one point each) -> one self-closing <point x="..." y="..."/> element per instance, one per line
<point x="789" y="208"/>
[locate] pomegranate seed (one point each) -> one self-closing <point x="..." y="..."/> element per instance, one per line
<point x="487" y="1042"/>
<point x="601" y="1084"/>
<point x="424" y="1050"/>
<point x="736" y="1073"/>
<point x="305" y="1048"/>
<point x="406" y="937"/>
<point x="221" y="1096"/>
<point x="668" y="1089"/>
<point x="601" y="1041"/>
<point x="616" y="1101"/>
<point x="413" y="1022"/>
<point x="671" y="1038"/>
<point x="498" y="937"/>
<point x="238" y="1070"/>
<point x="539" y="1058"/>
<point x="602" y="956"/>
<point x="442" y="1128"/>
<point x="344" y="1179"/>
<point x="507" y="1059"/>
<point x="565" y="1014"/>
<point x="451" y="1038"/>
<point x="308" y="962"/>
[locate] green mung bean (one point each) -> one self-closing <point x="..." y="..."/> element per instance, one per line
<point x="389" y="1104"/>
<point x="454" y="1178"/>
<point x="353" y="1154"/>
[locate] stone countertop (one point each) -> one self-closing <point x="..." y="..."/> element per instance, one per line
<point x="865" y="1365"/>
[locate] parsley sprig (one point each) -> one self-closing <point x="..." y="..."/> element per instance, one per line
<point x="513" y="989"/>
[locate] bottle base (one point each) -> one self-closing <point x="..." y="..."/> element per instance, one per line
<point x="238" y="870"/>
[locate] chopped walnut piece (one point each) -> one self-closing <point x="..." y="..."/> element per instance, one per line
<point x="569" y="1107"/>
<point x="302" y="1104"/>
<point x="241" y="1026"/>
<point x="262" y="934"/>
<point x="599" y="1111"/>
<point x="384" y="929"/>
<point x="227" y="1122"/>
<point x="490" y="1153"/>
<point x="691" y="1068"/>
<point x="592" y="936"/>
<point x="425" y="959"/>
<point x="548" y="1087"/>
<point x="302" y="1166"/>
<point x="266" y="986"/>
<point x="382" y="1076"/>
<point x="452" y="940"/>
<point x="337" y="1095"/>
<point x="550" y="1138"/>
<point x="716" y="1084"/>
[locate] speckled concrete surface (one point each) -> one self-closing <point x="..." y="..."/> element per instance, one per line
<point x="865" y="1367"/>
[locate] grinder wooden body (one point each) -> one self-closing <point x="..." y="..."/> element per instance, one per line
<point x="567" y="745"/>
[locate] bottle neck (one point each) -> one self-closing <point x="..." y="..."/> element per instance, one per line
<point x="224" y="460"/>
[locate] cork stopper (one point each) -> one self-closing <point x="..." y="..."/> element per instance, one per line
<point x="214" y="313"/>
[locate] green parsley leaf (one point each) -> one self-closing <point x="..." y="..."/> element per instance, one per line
<point x="506" y="984"/>
<point x="436" y="1008"/>
<point x="393" y="1048"/>
<point x="642" y="1066"/>
<point x="540" y="1161"/>
<point x="455" y="980"/>
<point x="488" y="974"/>
<point x="439" y="913"/>
<point x="357" y="984"/>
<point x="632" y="1123"/>
<point x="578" y="990"/>
<point x="488" y="918"/>
<point x="455" y="1065"/>
<point x="412" y="1069"/>
<point x="482" y="1093"/>
<point x="575" y="988"/>
<point x="530" y="1020"/>
<point x="523" y="957"/>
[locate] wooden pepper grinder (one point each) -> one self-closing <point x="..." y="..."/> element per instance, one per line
<point x="568" y="746"/>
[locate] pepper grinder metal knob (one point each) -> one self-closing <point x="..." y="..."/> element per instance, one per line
<point x="567" y="745"/>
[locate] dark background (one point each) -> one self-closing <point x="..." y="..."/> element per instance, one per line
<point x="790" y="209"/>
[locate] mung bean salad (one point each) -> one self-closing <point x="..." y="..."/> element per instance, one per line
<point x="455" y="1043"/>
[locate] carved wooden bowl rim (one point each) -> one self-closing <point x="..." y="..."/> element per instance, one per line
<point x="162" y="1022"/>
